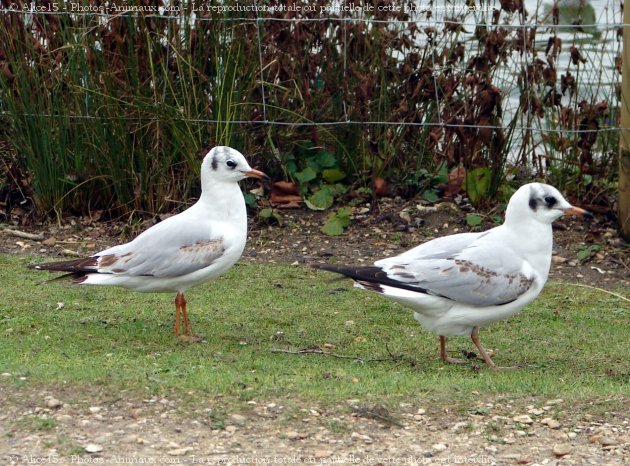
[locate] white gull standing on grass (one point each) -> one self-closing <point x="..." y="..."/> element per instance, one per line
<point x="458" y="283"/>
<point x="184" y="250"/>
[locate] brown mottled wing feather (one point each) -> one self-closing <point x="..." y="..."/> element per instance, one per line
<point x="171" y="260"/>
<point x="472" y="276"/>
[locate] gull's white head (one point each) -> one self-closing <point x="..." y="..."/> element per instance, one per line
<point x="541" y="202"/>
<point x="224" y="164"/>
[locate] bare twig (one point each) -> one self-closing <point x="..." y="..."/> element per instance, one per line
<point x="616" y="295"/>
<point x="334" y="355"/>
<point x="377" y="412"/>
<point x="617" y="260"/>
<point x="25" y="235"/>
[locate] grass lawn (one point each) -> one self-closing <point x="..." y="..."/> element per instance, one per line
<point x="574" y="342"/>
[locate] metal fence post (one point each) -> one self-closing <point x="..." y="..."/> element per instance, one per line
<point x="624" y="137"/>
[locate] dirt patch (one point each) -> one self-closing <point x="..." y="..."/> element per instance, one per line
<point x="55" y="426"/>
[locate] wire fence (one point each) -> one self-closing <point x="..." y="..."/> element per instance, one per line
<point x="599" y="54"/>
<point x="387" y="87"/>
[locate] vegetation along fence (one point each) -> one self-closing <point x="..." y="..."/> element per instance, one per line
<point x="109" y="105"/>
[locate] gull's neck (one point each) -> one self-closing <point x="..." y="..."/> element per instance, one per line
<point x="532" y="239"/>
<point x="224" y="199"/>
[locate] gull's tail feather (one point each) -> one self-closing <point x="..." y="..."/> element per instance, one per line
<point x="76" y="266"/>
<point x="370" y="277"/>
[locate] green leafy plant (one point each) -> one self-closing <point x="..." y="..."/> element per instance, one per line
<point x="270" y="216"/>
<point x="337" y="222"/>
<point x="425" y="182"/>
<point x="586" y="252"/>
<point x="478" y="184"/>
<point x="473" y="220"/>
<point x="317" y="173"/>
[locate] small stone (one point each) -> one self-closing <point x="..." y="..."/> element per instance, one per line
<point x="93" y="448"/>
<point x="50" y="241"/>
<point x="536" y="411"/>
<point x="238" y="419"/>
<point x="230" y="429"/>
<point x="558" y="259"/>
<point x="561" y="450"/>
<point x="556" y="401"/>
<point x="94" y="409"/>
<point x="179" y="451"/>
<point x="293" y="435"/>
<point x="572" y="435"/>
<point x="551" y="423"/>
<point x="54" y="403"/>
<point x="322" y="454"/>
<point x="523" y="419"/>
<point x="439" y="447"/>
<point x="595" y="438"/>
<point x="421" y="411"/>
<point x="608" y="442"/>
<point x="131" y="438"/>
<point x="6" y="374"/>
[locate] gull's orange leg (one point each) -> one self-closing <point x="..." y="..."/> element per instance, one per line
<point x="180" y="304"/>
<point x="185" y="316"/>
<point x="474" y="336"/>
<point x="445" y="357"/>
<point x="177" y="314"/>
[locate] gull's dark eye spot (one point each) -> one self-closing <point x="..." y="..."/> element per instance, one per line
<point x="533" y="204"/>
<point x="231" y="164"/>
<point x="550" y="201"/>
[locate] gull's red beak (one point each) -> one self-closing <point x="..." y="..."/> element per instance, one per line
<point x="257" y="174"/>
<point x="579" y="212"/>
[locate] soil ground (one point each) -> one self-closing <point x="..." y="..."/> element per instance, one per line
<point x="56" y="425"/>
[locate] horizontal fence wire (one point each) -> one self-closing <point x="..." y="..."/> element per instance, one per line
<point x="321" y="123"/>
<point x="77" y="10"/>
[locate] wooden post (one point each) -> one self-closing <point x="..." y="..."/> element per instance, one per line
<point x="624" y="136"/>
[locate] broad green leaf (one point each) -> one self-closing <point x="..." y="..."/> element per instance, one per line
<point x="333" y="227"/>
<point x="478" y="184"/>
<point x="587" y="252"/>
<point x="430" y="195"/>
<point x="473" y="220"/>
<point x="343" y="215"/>
<point x="306" y="175"/>
<point x="325" y="159"/>
<point x="250" y="199"/>
<point x="321" y="200"/>
<point x="270" y="215"/>
<point x="332" y="175"/>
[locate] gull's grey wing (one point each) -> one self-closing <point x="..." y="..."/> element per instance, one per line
<point x="171" y="248"/>
<point x="482" y="274"/>
<point x="438" y="248"/>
